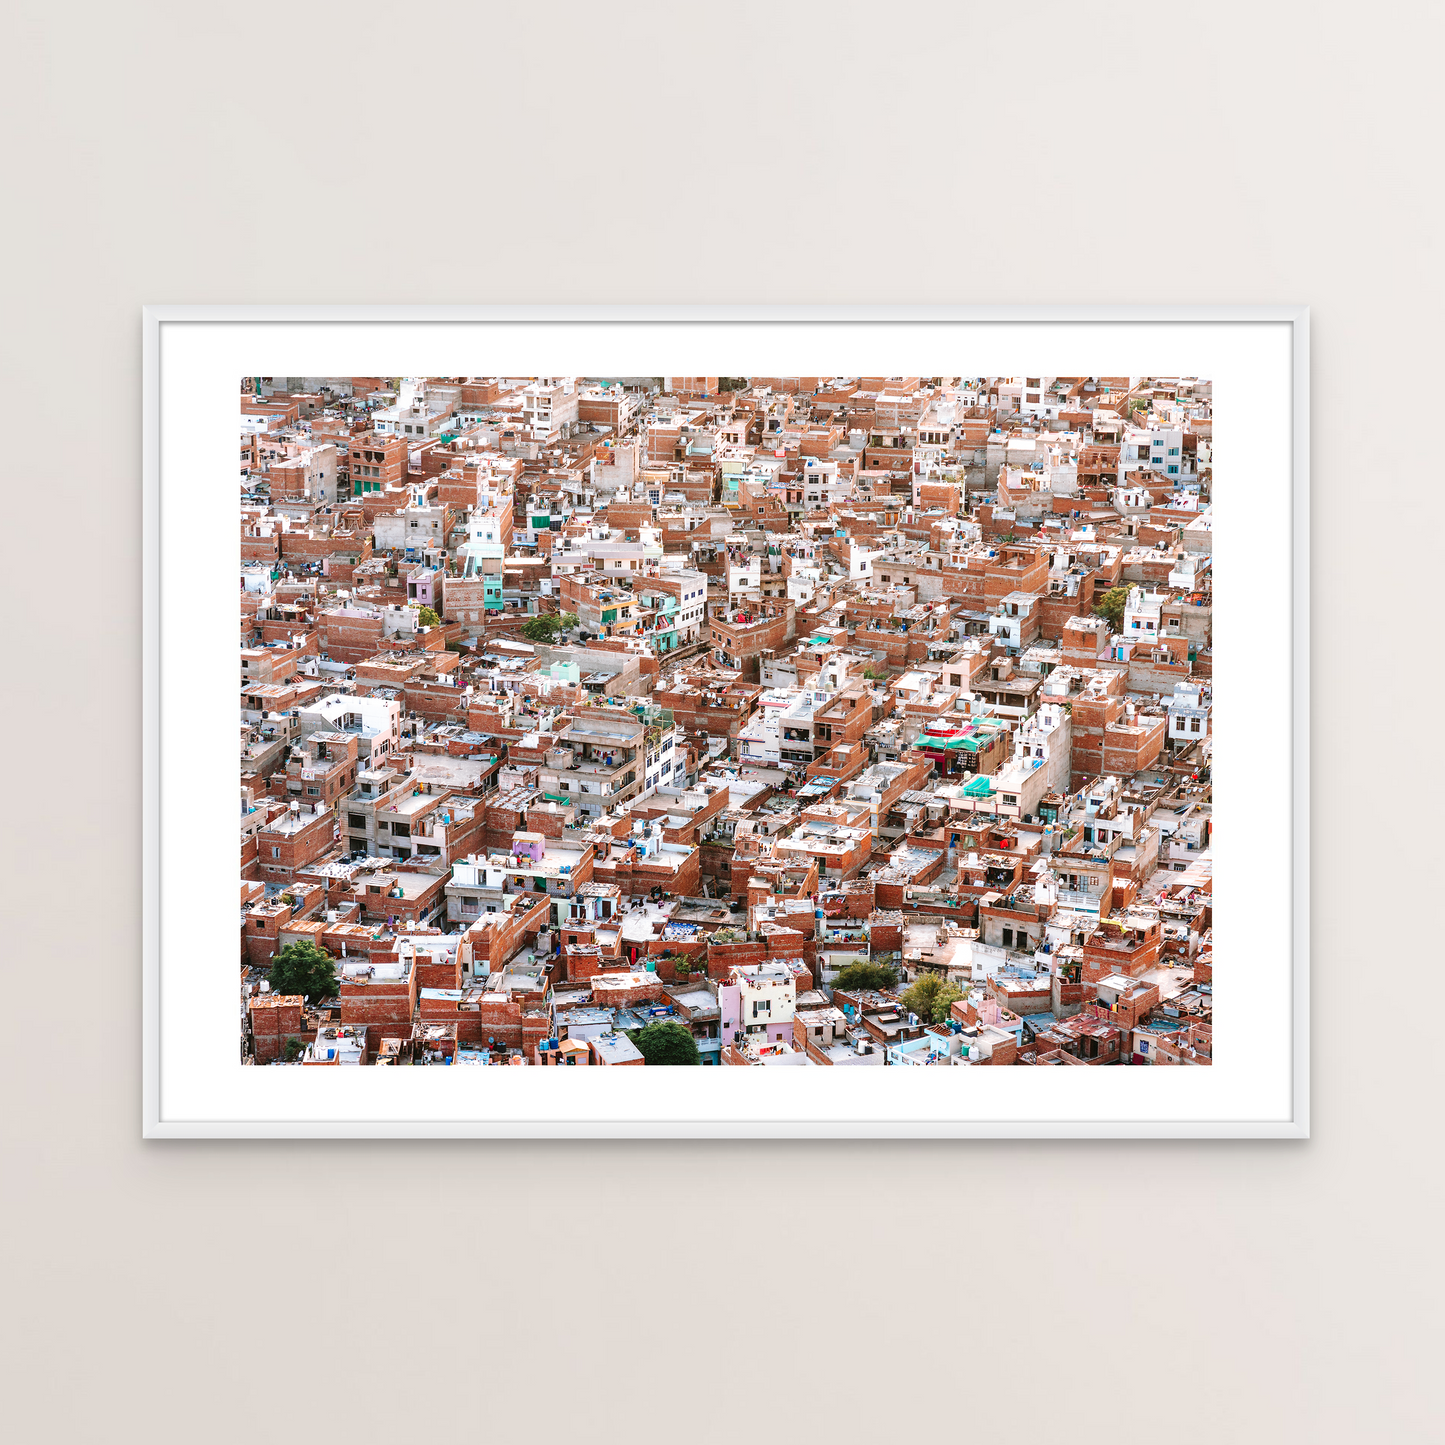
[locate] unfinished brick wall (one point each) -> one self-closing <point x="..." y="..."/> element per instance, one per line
<point x="1005" y="1051"/>
<point x="789" y="943"/>
<point x="637" y="877"/>
<point x="350" y="639"/>
<point x="723" y="957"/>
<point x="385" y="1008"/>
<point x="1100" y="961"/>
<point x="438" y="972"/>
<point x="1127" y="750"/>
<point x="283" y="855"/>
<point x="886" y="937"/>
<point x="626" y="991"/>
<point x="275" y="1018"/>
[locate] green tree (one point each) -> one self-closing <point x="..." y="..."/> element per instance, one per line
<point x="292" y="1049"/>
<point x="860" y="973"/>
<point x="540" y="629"/>
<point x="546" y="626"/>
<point x="428" y="618"/>
<point x="665" y="1042"/>
<point x="305" y="969"/>
<point x="1111" y="607"/>
<point x="929" y="996"/>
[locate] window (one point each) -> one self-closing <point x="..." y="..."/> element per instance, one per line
<point x="275" y="852"/>
<point x="1194" y="724"/>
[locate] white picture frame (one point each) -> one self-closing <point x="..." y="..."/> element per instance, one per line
<point x="1258" y="1086"/>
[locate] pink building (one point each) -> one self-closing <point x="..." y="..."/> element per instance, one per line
<point x="757" y="1000"/>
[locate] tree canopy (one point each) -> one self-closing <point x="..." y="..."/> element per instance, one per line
<point x="544" y="628"/>
<point x="665" y="1042"/>
<point x="929" y="996"/>
<point x="305" y="969"/>
<point x="862" y="974"/>
<point x="427" y="617"/>
<point x="1111" y="607"/>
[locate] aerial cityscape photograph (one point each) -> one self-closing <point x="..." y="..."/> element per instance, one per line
<point x="726" y="720"/>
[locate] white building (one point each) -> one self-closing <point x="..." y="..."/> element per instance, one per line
<point x="416" y="526"/>
<point x="414" y="415"/>
<point x="1159" y="449"/>
<point x="549" y="407"/>
<point x="759" y="743"/>
<point x="1188" y="714"/>
<point x="692" y="599"/>
<point x="1141" y="615"/>
<point x="822" y="486"/>
<point x="374" y="721"/>
<point x="1036" y="396"/>
<point x="1040" y="763"/>
<point x="1008" y="623"/>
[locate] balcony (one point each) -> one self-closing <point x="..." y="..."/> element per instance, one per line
<point x="598" y="767"/>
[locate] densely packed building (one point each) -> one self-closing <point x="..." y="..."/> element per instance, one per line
<point x="771" y="720"/>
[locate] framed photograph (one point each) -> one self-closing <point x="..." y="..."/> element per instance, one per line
<point x="754" y="740"/>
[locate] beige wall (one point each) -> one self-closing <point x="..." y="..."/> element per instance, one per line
<point x="150" y="1293"/>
